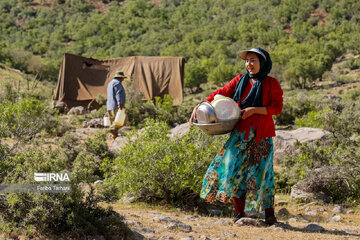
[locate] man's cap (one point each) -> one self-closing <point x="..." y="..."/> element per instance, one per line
<point x="120" y="75"/>
<point x="243" y="54"/>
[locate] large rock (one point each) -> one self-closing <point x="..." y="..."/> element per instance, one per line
<point x="94" y="123"/>
<point x="180" y="130"/>
<point x="303" y="191"/>
<point x="79" y="110"/>
<point x="284" y="140"/>
<point x="118" y="144"/>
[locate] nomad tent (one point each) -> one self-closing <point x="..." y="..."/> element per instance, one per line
<point x="81" y="79"/>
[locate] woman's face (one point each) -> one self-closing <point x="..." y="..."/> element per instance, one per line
<point x="252" y="63"/>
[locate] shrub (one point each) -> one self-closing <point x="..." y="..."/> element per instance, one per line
<point x="331" y="167"/>
<point x="25" y="118"/>
<point x="73" y="215"/>
<point x="158" y="168"/>
<point x="161" y="109"/>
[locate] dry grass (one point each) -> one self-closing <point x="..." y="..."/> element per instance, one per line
<point x="144" y="214"/>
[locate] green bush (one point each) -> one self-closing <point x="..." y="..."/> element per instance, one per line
<point x="161" y="109"/>
<point x="25" y="118"/>
<point x="331" y="168"/>
<point x="158" y="168"/>
<point x="75" y="214"/>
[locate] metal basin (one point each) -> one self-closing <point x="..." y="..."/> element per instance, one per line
<point x="205" y="113"/>
<point x="217" y="128"/>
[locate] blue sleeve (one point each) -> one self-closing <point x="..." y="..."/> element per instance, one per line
<point x="120" y="94"/>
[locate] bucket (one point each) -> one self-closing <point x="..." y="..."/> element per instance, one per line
<point x="106" y="121"/>
<point x="120" y="118"/>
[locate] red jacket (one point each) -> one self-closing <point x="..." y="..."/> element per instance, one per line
<point x="272" y="100"/>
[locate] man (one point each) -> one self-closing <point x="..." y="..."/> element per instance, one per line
<point x="115" y="100"/>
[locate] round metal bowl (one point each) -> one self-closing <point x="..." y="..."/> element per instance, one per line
<point x="217" y="128"/>
<point x="205" y="113"/>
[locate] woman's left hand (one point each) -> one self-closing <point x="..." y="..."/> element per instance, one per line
<point x="247" y="112"/>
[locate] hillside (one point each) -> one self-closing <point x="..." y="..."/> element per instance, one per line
<point x="315" y="50"/>
<point x="207" y="33"/>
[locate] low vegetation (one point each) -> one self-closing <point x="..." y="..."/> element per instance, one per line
<point x="311" y="43"/>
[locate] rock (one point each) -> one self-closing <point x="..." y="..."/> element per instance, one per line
<point x="338" y="209"/>
<point x="146" y="230"/>
<point x="312" y="213"/>
<point x="231" y="235"/>
<point x="283" y="212"/>
<point x="191" y="218"/>
<point x="180" y="130"/>
<point x="350" y="211"/>
<point x="277" y="228"/>
<point x="79" y="110"/>
<point x="118" y="144"/>
<point x="221" y="222"/>
<point x="335" y="218"/>
<point x="166" y="238"/>
<point x="187" y="238"/>
<point x="249" y="222"/>
<point x="292" y="220"/>
<point x="284" y="226"/>
<point x="284" y="140"/>
<point x="314" y="228"/>
<point x="132" y="223"/>
<point x="137" y="236"/>
<point x="162" y="218"/>
<point x="180" y="226"/>
<point x="149" y="236"/>
<point x="298" y="192"/>
<point x="94" y="123"/>
<point x="98" y="182"/>
<point x="203" y="237"/>
<point x="129" y="198"/>
<point x="351" y="231"/>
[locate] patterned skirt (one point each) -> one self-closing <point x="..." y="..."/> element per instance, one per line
<point x="242" y="169"/>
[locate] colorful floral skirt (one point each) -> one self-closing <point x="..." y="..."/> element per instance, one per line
<point x="242" y="169"/>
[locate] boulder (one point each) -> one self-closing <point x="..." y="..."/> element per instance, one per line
<point x="284" y="140"/>
<point x="118" y="144"/>
<point x="180" y="130"/>
<point x="94" y="123"/>
<point x="301" y="192"/>
<point x="79" y="110"/>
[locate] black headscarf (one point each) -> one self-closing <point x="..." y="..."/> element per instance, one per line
<point x="254" y="98"/>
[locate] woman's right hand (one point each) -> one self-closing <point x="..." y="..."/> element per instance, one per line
<point x="193" y="115"/>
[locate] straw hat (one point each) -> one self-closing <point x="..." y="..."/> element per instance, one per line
<point x="120" y="75"/>
<point x="243" y="54"/>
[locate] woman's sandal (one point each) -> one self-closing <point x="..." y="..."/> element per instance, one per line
<point x="270" y="219"/>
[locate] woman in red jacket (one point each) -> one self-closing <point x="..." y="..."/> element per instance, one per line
<point x="242" y="172"/>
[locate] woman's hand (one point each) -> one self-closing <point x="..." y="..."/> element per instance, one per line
<point x="248" y="112"/>
<point x="193" y="115"/>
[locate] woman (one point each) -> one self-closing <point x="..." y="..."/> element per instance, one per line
<point x="242" y="172"/>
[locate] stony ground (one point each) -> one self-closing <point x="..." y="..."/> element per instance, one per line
<point x="296" y="221"/>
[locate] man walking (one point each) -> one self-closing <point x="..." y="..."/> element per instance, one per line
<point x="115" y="100"/>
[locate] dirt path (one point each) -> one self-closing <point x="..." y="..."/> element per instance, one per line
<point x="167" y="223"/>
